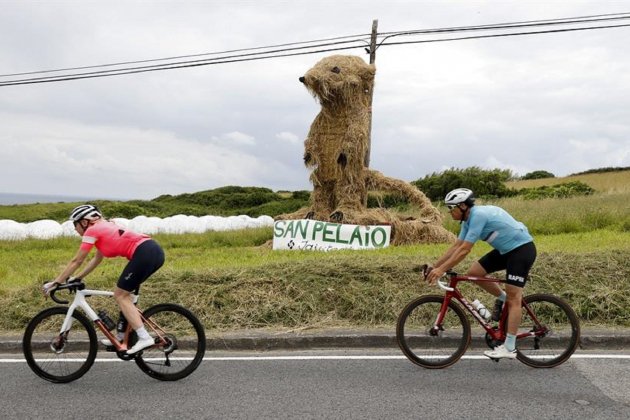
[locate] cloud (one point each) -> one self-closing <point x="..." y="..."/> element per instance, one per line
<point x="288" y="137"/>
<point x="554" y="102"/>
<point x="113" y="160"/>
<point x="239" y="138"/>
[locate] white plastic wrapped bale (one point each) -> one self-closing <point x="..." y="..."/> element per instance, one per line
<point x="10" y="230"/>
<point x="144" y="224"/>
<point x="210" y="223"/>
<point x="175" y="224"/>
<point x="265" y="221"/>
<point x="235" y="222"/>
<point x="196" y="225"/>
<point x="67" y="229"/>
<point x="121" y="221"/>
<point x="44" y="229"/>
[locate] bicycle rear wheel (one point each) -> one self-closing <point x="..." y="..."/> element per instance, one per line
<point x="185" y="347"/>
<point x="431" y="346"/>
<point x="59" y="357"/>
<point x="555" y="328"/>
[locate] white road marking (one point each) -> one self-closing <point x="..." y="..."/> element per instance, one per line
<point x="314" y="357"/>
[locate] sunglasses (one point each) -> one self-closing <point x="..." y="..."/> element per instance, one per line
<point x="450" y="207"/>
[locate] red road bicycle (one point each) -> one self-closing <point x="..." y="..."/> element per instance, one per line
<point x="434" y="332"/>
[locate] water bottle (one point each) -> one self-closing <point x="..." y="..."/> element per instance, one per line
<point x="109" y="324"/>
<point x="483" y="311"/>
<point x="121" y="326"/>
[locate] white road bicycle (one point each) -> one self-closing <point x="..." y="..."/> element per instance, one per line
<point x="60" y="343"/>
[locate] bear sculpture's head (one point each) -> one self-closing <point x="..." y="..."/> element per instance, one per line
<point x="340" y="80"/>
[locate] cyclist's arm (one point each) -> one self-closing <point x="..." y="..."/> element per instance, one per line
<point x="94" y="262"/>
<point x="72" y="266"/>
<point x="457" y="255"/>
<point x="449" y="252"/>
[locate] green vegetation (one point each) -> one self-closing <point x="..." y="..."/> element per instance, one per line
<point x="225" y="201"/>
<point x="564" y="190"/>
<point x="603" y="170"/>
<point x="485" y="183"/>
<point x="538" y="175"/>
<point x="234" y="280"/>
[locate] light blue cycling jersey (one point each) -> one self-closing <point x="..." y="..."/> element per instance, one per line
<point x="495" y="226"/>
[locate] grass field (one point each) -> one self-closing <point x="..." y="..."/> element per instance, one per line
<point x="609" y="182"/>
<point x="233" y="280"/>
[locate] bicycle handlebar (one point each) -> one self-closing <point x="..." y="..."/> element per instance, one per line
<point x="426" y="269"/>
<point x="72" y="286"/>
<point x="443" y="286"/>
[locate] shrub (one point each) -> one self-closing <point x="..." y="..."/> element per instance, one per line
<point x="565" y="190"/>
<point x="121" y="209"/>
<point x="538" y="175"/>
<point x="485" y="183"/>
<point x="301" y="195"/>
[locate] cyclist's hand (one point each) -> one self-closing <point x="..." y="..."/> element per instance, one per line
<point x="434" y="274"/>
<point x="426" y="269"/>
<point x="74" y="279"/>
<point x="49" y="287"/>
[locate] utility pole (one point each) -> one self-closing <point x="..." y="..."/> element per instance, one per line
<point x="372" y="60"/>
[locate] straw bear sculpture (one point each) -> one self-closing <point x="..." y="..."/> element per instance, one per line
<point x="336" y="149"/>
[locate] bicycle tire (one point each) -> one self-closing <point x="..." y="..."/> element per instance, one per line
<point x="426" y="347"/>
<point x="558" y="344"/>
<point x="187" y="343"/>
<point x="53" y="358"/>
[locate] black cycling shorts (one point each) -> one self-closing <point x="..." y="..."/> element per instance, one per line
<point x="146" y="260"/>
<point x="516" y="263"/>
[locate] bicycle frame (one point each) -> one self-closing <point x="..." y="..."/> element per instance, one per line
<point x="452" y="292"/>
<point x="80" y="301"/>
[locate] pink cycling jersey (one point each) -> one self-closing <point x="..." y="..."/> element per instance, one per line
<point x="112" y="240"/>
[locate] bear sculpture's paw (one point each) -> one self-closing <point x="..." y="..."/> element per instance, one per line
<point x="310" y="215"/>
<point x="337" y="217"/>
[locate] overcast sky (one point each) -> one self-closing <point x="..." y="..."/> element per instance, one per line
<point x="557" y="102"/>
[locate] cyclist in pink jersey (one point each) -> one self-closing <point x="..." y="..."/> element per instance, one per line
<point x="110" y="240"/>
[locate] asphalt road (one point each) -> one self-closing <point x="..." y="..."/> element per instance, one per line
<point x="378" y="384"/>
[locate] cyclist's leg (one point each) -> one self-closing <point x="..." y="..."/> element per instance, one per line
<point x="147" y="259"/>
<point x="489" y="263"/>
<point x="519" y="263"/>
<point x="513" y="303"/>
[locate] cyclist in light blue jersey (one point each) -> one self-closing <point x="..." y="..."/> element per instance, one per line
<point x="514" y="251"/>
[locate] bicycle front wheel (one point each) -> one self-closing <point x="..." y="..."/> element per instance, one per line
<point x="554" y="331"/>
<point x="185" y="343"/>
<point x="427" y="344"/>
<point x="55" y="355"/>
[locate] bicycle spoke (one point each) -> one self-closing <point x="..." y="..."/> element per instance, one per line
<point x="553" y="331"/>
<point x="181" y="343"/>
<point x="427" y="344"/>
<point x="59" y="358"/>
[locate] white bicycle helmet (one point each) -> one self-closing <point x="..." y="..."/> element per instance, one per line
<point x="85" y="211"/>
<point x="458" y="196"/>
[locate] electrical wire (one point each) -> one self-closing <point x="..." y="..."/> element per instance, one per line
<point x="505" y="35"/>
<point x="318" y="46"/>
<point x="355" y="37"/>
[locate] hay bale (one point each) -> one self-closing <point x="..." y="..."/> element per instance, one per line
<point x="335" y="151"/>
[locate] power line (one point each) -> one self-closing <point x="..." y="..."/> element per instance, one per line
<point x="191" y="63"/>
<point x="318" y="46"/>
<point x="355" y="37"/>
<point x="505" y="35"/>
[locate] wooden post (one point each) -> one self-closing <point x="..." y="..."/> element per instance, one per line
<point x="366" y="160"/>
<point x="372" y="60"/>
